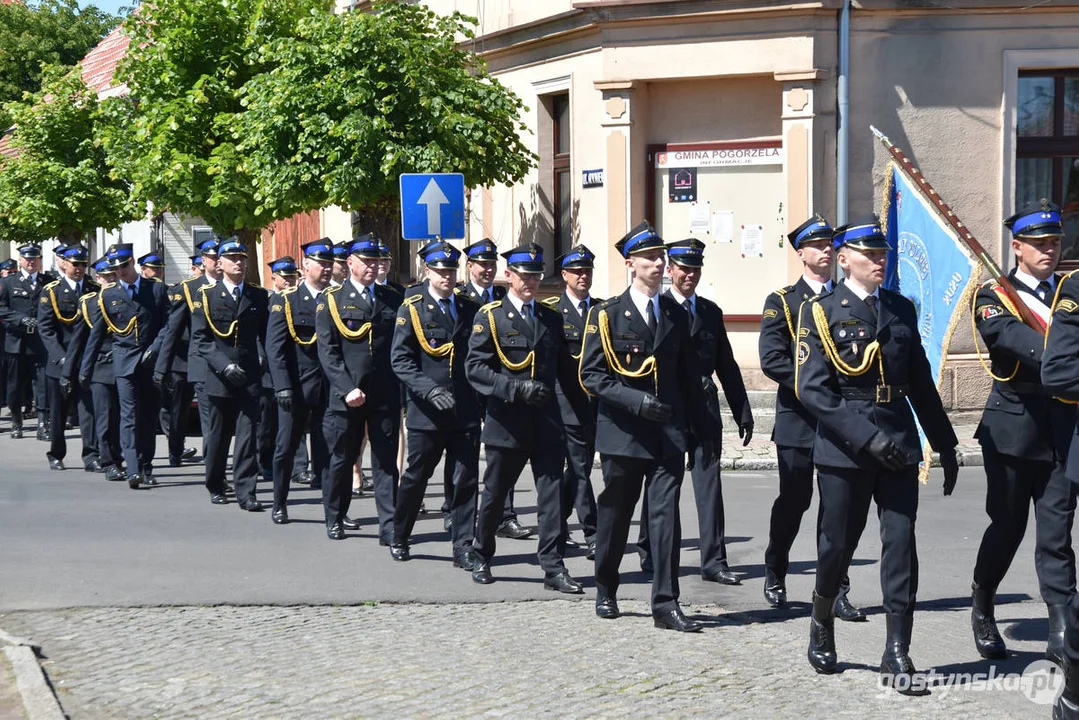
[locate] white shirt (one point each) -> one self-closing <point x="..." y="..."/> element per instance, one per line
<point x="72" y="284"/>
<point x="577" y="303"/>
<point x="437" y="299"/>
<point x="641" y="301"/>
<point x="1032" y="282"/>
<point x="518" y="303"/>
<point x="680" y="299"/>
<point x="310" y="289"/>
<point x="861" y="291"/>
<point x="818" y="287"/>
<point x="360" y="286"/>
<point x="480" y="291"/>
<point x="25" y="275"/>
<point x="230" y="288"/>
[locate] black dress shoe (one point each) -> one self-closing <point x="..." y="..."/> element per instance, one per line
<point x="467" y="560"/>
<point x="230" y="489"/>
<point x="148" y="479"/>
<point x="572" y="544"/>
<point x="251" y="506"/>
<point x="607" y="608"/>
<point x="513" y="530"/>
<point x="675" y="620"/>
<point x="303" y="478"/>
<point x="846" y="611"/>
<point x="114" y="474"/>
<point x="357" y="493"/>
<point x="350" y="524"/>
<point x="56" y="464"/>
<point x="335" y="532"/>
<point x="423" y="508"/>
<point x="175" y="461"/>
<point x="16" y="432"/>
<point x="646" y="564"/>
<point x="94" y="466"/>
<point x="447" y="523"/>
<point x="723" y="576"/>
<point x="134" y="481"/>
<point x="399" y="552"/>
<point x="482" y="573"/>
<point x="590" y="548"/>
<point x="775" y="589"/>
<point x="219" y="499"/>
<point x="563" y="583"/>
<point x="188" y="454"/>
<point x="367" y="484"/>
<point x="280" y="517"/>
<point x="43" y="433"/>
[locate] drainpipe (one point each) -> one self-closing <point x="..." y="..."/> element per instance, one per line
<point x="843" y="131"/>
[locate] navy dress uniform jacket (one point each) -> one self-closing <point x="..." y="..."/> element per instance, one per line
<point x="96" y="366"/>
<point x="177" y="347"/>
<point x="846" y="424"/>
<point x="143" y="317"/>
<point x="576" y="407"/>
<point x="362" y="362"/>
<point x="220" y="343"/>
<point x="59" y="316"/>
<point x="18" y="301"/>
<point x="1020" y="418"/>
<point x="423" y="363"/>
<point x="497" y="293"/>
<point x="619" y="428"/>
<point x="177" y="351"/>
<point x="544" y="358"/>
<point x="708" y="335"/>
<point x="292" y="345"/>
<point x="1059" y="359"/>
<point x="794" y="426"/>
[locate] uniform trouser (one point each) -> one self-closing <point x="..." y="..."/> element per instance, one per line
<point x="25" y="372"/>
<point x="623" y="478"/>
<point x="59" y="406"/>
<point x="508" y="511"/>
<point x="204" y="411"/>
<point x="708" y="495"/>
<point x="504" y="467"/>
<point x="229" y="416"/>
<point x="425" y="449"/>
<point x="3" y="374"/>
<point x="845" y="494"/>
<point x="267" y="431"/>
<point x="1012" y="483"/>
<point x="795" y="497"/>
<point x="577" y="479"/>
<point x="107" y="423"/>
<point x="344" y="436"/>
<point x="139" y="406"/>
<point x="291" y="427"/>
<point x="178" y="400"/>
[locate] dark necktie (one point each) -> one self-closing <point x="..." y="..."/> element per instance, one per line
<point x="583" y="307"/>
<point x="526" y="314"/>
<point x="235" y="292"/>
<point x="688" y="305"/>
<point x="651" y="315"/>
<point x="365" y="294"/>
<point x="1044" y="289"/>
<point x="131" y="290"/>
<point x="447" y="308"/>
<point x="871" y="303"/>
<point x="486" y="295"/>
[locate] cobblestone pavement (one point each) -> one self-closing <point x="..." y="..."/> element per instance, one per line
<point x="525" y="659"/>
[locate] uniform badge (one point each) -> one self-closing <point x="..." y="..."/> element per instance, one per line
<point x="320" y="307"/>
<point x="44" y="301"/>
<point x="992" y="311"/>
<point x="803" y="332"/>
<point x="196" y="305"/>
<point x="843" y="302"/>
<point x="434" y="343"/>
<point x="854" y="348"/>
<point x="400" y="321"/>
<point x="842" y="333"/>
<point x="509" y="315"/>
<point x="803" y="353"/>
<point x="224" y="294"/>
<point x="1067" y="305"/>
<point x="861" y="332"/>
<point x="591" y="329"/>
<point x="770" y="313"/>
<point x="477" y="328"/>
<point x="627" y="313"/>
<point x="628" y="359"/>
<point x="276" y="308"/>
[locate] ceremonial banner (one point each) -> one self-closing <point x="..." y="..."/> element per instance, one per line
<point x="928" y="264"/>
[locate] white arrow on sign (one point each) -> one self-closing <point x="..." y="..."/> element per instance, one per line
<point x="434" y="199"/>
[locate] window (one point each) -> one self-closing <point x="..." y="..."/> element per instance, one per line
<point x="563" y="185"/>
<point x="1047" y="146"/>
<point x="200" y="235"/>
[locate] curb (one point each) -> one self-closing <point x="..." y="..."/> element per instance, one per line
<point x="967" y="458"/>
<point x="38" y="699"/>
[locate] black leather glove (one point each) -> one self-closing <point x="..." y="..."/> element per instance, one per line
<point x="65" y="386"/>
<point x="654" y="410"/>
<point x="106" y="358"/>
<point x="882" y="449"/>
<point x="708" y="453"/>
<point x="284" y="400"/>
<point x="159" y="380"/>
<point x="29" y="323"/>
<point x="531" y="392"/>
<point x="234" y="375"/>
<point x="442" y="399"/>
<point x="708" y="385"/>
<point x="84" y="382"/>
<point x="148" y="357"/>
<point x="950" y="464"/>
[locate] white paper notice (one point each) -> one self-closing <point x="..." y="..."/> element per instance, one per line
<point x="698" y="218"/>
<point x="723" y="226"/>
<point x="752" y="241"/>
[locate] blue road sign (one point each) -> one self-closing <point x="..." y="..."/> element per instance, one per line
<point x="432" y="204"/>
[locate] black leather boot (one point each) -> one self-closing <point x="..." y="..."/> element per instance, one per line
<point x="896" y="667"/>
<point x="43" y="427"/>
<point x="16" y="424"/>
<point x="1054" y="649"/>
<point x="822" y="654"/>
<point x="845" y="610"/>
<point x="987" y="640"/>
<point x="1067" y="705"/>
<point x="775" y="589"/>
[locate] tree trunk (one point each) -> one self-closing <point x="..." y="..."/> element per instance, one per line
<point x="251" y="238"/>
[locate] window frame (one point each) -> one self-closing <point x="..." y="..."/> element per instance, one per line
<point x="561" y="162"/>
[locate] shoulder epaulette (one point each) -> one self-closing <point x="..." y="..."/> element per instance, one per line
<point x="551" y="301"/>
<point x="185" y="281"/>
<point x="783" y="290"/>
<point x="458" y="291"/>
<point x="289" y="291"/>
<point x="412" y="299"/>
<point x="51" y="285"/>
<point x="152" y="279"/>
<point x="333" y="288"/>
<point x="490" y="305"/>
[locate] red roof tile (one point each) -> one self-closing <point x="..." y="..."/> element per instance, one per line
<point x="100" y="63"/>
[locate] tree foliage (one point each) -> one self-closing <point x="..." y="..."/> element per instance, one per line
<point x="176" y="138"/>
<point x="49" y="32"/>
<point x="353" y="100"/>
<point x="58" y="183"/>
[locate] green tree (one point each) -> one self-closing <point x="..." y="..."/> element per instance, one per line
<point x="58" y="182"/>
<point x="352" y="101"/>
<point x="48" y="31"/>
<point x="175" y="137"/>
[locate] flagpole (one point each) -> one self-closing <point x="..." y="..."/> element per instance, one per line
<point x="1025" y="313"/>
